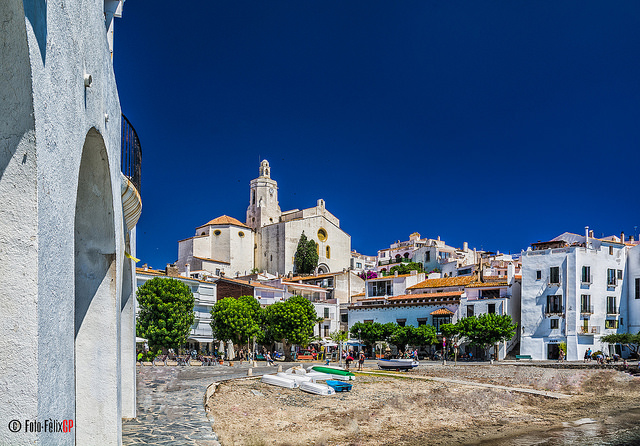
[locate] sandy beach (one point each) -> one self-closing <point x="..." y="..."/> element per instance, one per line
<point x="407" y="411"/>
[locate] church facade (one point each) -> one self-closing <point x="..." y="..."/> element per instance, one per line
<point x="269" y="237"/>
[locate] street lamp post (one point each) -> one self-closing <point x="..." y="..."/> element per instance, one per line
<point x="359" y="342"/>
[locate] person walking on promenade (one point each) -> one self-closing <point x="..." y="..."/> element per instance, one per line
<point x="561" y="356"/>
<point x="361" y="361"/>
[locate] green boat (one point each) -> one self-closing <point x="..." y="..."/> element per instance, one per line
<point x="332" y="370"/>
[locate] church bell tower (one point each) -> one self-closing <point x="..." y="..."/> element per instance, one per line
<point x="263" y="207"/>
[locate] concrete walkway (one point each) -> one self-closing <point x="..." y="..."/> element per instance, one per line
<point x="544" y="393"/>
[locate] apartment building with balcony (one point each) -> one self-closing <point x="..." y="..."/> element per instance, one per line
<point x="205" y="295"/>
<point x="576" y="289"/>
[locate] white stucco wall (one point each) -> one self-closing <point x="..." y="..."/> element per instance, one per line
<point x="535" y="326"/>
<point x="633" y="273"/>
<point x="277" y="244"/>
<point x="46" y="115"/>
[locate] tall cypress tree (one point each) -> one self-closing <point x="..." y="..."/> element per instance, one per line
<point x="306" y="259"/>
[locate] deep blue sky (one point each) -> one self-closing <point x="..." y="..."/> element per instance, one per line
<point x="497" y="123"/>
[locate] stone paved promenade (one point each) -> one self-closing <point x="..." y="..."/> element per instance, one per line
<point x="170" y="404"/>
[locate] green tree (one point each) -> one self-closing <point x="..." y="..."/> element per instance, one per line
<point x="487" y="330"/>
<point x="403" y="336"/>
<point x="237" y="320"/>
<point x="369" y="333"/>
<point x="425" y="335"/>
<point x="450" y="331"/>
<point x="291" y="322"/>
<point x="306" y="258"/>
<point x="166" y="313"/>
<point x="406" y="268"/>
<point x="629" y="340"/>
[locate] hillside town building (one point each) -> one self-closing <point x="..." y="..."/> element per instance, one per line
<point x="433" y="254"/>
<point x="413" y="300"/>
<point x="576" y="289"/>
<point x="268" y="239"/>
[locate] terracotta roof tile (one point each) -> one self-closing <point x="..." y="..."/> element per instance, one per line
<point x="444" y="282"/>
<point x="211" y="260"/>
<point x="252" y="284"/>
<point x="225" y="220"/>
<point x="426" y="295"/>
<point x="442" y="312"/>
<point x="487" y="284"/>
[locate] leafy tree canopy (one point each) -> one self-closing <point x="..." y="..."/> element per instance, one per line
<point x="370" y="333"/>
<point x="166" y="313"/>
<point x="487" y="329"/>
<point x="306" y="258"/>
<point x="237" y="320"/>
<point x="291" y="321"/>
<point x="406" y="268"/>
<point x="632" y="341"/>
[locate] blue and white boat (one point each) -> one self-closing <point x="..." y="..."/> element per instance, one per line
<point x="397" y="364"/>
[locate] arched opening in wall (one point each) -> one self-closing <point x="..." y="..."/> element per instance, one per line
<point x="406" y="255"/>
<point x="398" y="257"/>
<point x="323" y="268"/>
<point x="96" y="310"/>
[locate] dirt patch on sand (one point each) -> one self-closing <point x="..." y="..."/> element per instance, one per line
<point x="403" y="411"/>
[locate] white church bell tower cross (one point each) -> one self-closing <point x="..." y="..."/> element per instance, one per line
<point x="263" y="207"/>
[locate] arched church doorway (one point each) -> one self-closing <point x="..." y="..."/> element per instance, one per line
<point x="97" y="418"/>
<point x="323" y="268"/>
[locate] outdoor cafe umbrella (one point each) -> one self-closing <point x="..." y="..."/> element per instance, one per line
<point x="230" y="352"/>
<point x="221" y="348"/>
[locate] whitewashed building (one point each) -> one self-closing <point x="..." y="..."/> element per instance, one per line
<point x="223" y="246"/>
<point x="575" y="289"/>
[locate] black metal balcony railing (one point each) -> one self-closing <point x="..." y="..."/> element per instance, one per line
<point x="131" y="153"/>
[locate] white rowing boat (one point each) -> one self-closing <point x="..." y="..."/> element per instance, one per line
<point x="280" y="381"/>
<point x="317" y="388"/>
<point x="297" y="378"/>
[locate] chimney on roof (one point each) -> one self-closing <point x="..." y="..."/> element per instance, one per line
<point x="171" y="270"/>
<point x="145" y="267"/>
<point x="438" y="238"/>
<point x="591" y="233"/>
<point x="465" y="246"/>
<point x="187" y="269"/>
<point x="586" y="236"/>
<point x="632" y="238"/>
<point x="622" y="237"/>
